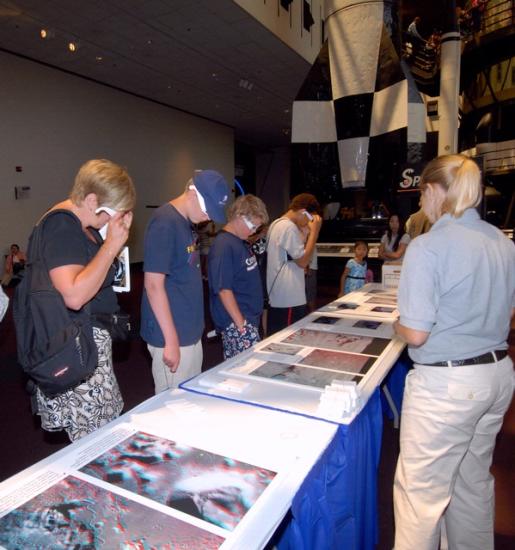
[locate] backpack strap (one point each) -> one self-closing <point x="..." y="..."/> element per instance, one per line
<point x="37" y="235"/>
<point x="35" y="253"/>
<point x="287" y="255"/>
<point x="273" y="224"/>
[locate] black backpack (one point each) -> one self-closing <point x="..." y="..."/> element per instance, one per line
<point x="57" y="351"/>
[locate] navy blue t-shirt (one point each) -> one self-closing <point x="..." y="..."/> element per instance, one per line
<point x="171" y="248"/>
<point x="233" y="266"/>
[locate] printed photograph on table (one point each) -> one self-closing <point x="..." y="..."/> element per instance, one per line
<point x="77" y="514"/>
<point x="338" y="341"/>
<point x="370" y="325"/>
<point x="384" y="292"/>
<point x="305" y="376"/>
<point x="215" y="488"/>
<point x="347" y="305"/>
<point x="376" y="328"/>
<point x="285" y="349"/>
<point x="326" y="320"/>
<point x="336" y="360"/>
<point x="387" y="300"/>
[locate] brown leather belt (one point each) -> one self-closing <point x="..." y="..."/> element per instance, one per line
<point x="490" y="357"/>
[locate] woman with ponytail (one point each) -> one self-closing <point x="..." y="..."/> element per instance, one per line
<point x="456" y="300"/>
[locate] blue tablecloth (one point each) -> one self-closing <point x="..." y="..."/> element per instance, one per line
<point x="395" y="383"/>
<point x="336" y="506"/>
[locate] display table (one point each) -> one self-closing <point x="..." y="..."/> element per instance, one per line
<point x="336" y="505"/>
<point x="238" y="465"/>
<point x="344" y="250"/>
<point x="290" y="370"/>
<point x="218" y="463"/>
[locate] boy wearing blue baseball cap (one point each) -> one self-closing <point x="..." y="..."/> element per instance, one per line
<point x="172" y="311"/>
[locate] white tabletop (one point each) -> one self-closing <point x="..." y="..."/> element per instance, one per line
<point x="286" y="445"/>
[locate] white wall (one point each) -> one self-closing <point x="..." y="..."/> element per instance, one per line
<point x="52" y="122"/>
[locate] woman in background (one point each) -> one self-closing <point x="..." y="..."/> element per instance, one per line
<point x="81" y="268"/>
<point x="394" y="242"/>
<point x="14" y="265"/>
<point x="456" y="299"/>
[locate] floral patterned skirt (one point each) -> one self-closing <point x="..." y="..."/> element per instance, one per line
<point x="234" y="342"/>
<point x="91" y="404"/>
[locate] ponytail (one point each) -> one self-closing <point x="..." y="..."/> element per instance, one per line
<point x="461" y="179"/>
<point x="465" y="189"/>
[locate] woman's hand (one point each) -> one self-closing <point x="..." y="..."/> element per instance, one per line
<point x="118" y="230"/>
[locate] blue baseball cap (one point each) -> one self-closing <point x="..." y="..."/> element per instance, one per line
<point x="215" y="192"/>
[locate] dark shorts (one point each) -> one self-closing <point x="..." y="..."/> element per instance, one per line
<point x="281" y="317"/>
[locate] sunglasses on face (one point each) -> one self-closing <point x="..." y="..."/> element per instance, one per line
<point x="108" y="210"/>
<point x="250" y="226"/>
<point x="200" y="198"/>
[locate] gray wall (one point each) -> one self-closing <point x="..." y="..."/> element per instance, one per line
<point x="273" y="180"/>
<point x="51" y="122"/>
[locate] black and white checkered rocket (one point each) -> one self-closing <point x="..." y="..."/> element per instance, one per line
<point x="360" y="101"/>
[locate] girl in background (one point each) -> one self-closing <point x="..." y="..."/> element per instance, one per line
<point x="355" y="272"/>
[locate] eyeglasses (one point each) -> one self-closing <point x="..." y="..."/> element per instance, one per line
<point x="108" y="210"/>
<point x="250" y="226"/>
<point x="200" y="198"/>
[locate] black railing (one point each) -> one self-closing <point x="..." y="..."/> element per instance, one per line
<point x="497" y="16"/>
<point x="422" y="57"/>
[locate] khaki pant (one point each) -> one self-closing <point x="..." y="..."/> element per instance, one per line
<point x="190" y="365"/>
<point x="450" y="419"/>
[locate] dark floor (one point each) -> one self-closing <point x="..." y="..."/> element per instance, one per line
<point x="25" y="443"/>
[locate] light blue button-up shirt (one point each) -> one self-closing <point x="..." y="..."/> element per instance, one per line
<point x="458" y="284"/>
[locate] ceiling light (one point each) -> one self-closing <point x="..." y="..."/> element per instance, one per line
<point x="99" y="58"/>
<point x="46" y="34"/>
<point x="73" y="46"/>
<point x="244" y="83"/>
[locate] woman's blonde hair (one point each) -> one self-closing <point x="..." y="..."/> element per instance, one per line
<point x="110" y="182"/>
<point x="460" y="177"/>
<point x="248" y="205"/>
